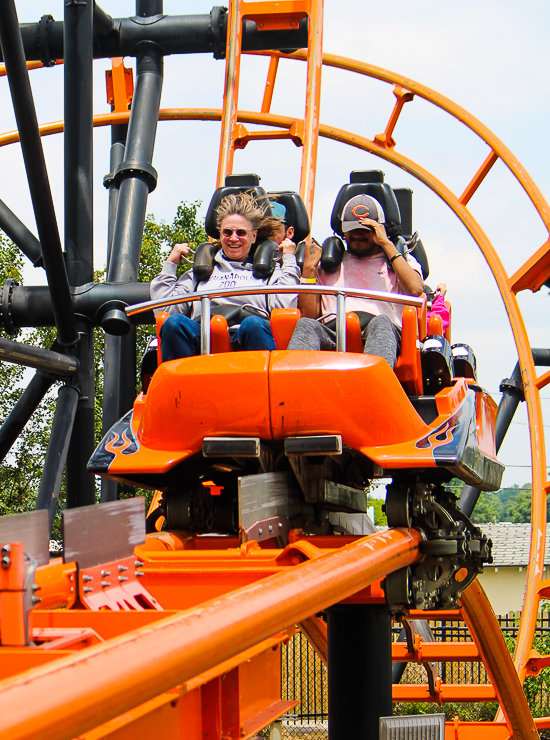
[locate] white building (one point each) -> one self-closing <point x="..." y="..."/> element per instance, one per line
<point x="504" y="580"/>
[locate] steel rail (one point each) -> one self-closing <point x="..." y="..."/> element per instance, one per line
<point x="440" y="101"/>
<point x="528" y="374"/>
<point x="75" y="694"/>
<point x="340" y="293"/>
<point x="378" y="295"/>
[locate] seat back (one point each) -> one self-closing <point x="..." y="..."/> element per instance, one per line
<point x="283" y="323"/>
<point x="219" y="334"/>
<point x="437" y="364"/>
<point x="404" y="200"/>
<point x="220" y="340"/>
<point x="448" y="329"/>
<point x="234" y="184"/>
<point x="408" y="367"/>
<point x="370" y="182"/>
<point x="160" y="319"/>
<point x="296" y="214"/>
<point x="435" y="325"/>
<point x="354" y="338"/>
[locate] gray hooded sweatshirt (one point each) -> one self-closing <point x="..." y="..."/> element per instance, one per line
<point x="226" y="275"/>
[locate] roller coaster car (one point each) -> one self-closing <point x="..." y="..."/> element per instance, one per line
<point x="262" y="442"/>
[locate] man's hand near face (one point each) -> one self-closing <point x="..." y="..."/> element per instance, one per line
<point x="310" y="304"/>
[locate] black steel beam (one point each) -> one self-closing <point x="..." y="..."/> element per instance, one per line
<point x="35" y="165"/>
<point x="103" y="22"/>
<point x="184" y="34"/>
<point x="78" y="142"/>
<point x="30" y="305"/>
<point x="512" y="395"/>
<point x="135" y="176"/>
<point x="37" y="357"/>
<point x="148" y="8"/>
<point x="78" y="139"/>
<point x="119" y="391"/>
<point x="20" y="235"/>
<point x="359" y="670"/>
<point x="23" y="410"/>
<point x="58" y="447"/>
<point x="119" y="363"/>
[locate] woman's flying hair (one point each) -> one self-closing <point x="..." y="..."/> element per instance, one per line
<point x="244" y="204"/>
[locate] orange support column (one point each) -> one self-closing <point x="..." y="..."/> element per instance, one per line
<point x="231" y="90"/>
<point x="271" y="16"/>
<point x="313" y="103"/>
<point x="487" y="634"/>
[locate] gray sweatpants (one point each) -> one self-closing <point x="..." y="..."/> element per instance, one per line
<point x="383" y="338"/>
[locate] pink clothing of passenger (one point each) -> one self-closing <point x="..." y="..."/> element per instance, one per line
<point x="440" y="309"/>
<point x="367" y="273"/>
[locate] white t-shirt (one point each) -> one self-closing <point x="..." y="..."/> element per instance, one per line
<point x="366" y="273"/>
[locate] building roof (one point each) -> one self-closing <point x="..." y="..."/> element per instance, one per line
<point x="511" y="543"/>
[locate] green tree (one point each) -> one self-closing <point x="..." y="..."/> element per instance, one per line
<point x="158" y="239"/>
<point x="487" y="509"/>
<point x="380" y="518"/>
<point x="21" y="470"/>
<point x="518" y="507"/>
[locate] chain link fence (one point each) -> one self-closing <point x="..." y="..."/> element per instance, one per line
<point x="304" y="678"/>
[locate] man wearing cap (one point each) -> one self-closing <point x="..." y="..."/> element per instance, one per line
<point x="286" y="231"/>
<point x="371" y="262"/>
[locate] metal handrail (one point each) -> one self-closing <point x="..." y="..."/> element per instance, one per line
<point x="340" y="293"/>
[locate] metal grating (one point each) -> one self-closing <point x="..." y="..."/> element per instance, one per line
<point x="413" y="727"/>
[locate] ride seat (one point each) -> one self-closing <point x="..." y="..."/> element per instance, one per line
<point x="234" y="184"/>
<point x="435" y="324"/>
<point x="296" y="213"/>
<point x="408" y="367"/>
<point x="354" y="337"/>
<point x="464" y="362"/>
<point x="283" y="323"/>
<point x="160" y="319"/>
<point x="219" y="335"/>
<point x="437" y="363"/>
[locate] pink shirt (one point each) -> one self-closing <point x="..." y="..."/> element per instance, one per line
<point x="439" y="308"/>
<point x="367" y="273"/>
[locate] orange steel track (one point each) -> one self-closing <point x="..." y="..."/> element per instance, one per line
<point x="77" y="693"/>
<point x="36" y="717"/>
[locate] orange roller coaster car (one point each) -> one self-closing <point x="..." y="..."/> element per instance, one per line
<point x="254" y="454"/>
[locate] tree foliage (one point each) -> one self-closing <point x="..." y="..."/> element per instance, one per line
<point x="21" y="470"/>
<point x="379" y="514"/>
<point x="507" y="505"/>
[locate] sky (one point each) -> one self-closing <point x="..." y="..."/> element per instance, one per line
<point x="484" y="55"/>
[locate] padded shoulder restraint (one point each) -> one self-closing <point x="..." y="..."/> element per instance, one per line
<point x="263" y="262"/>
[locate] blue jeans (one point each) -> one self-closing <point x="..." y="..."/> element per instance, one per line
<point x="181" y="336"/>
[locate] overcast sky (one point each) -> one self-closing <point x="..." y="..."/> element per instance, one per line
<point x="490" y="57"/>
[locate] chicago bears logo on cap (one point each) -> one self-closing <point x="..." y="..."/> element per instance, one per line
<point x="361" y="206"/>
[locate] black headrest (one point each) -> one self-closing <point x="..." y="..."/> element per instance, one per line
<point x="221" y="193"/>
<point x="366" y="176"/>
<point x="381" y="191"/>
<point x="249" y="178"/>
<point x="404" y="199"/>
<point x="296" y="214"/>
<point x="263" y="262"/>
